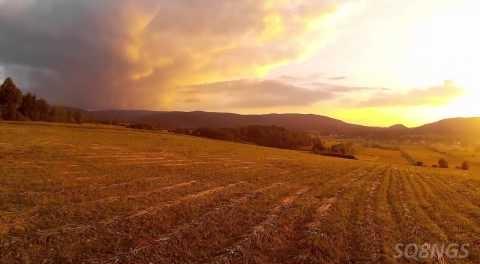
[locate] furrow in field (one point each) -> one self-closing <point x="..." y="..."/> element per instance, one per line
<point x="208" y="233"/>
<point x="395" y="221"/>
<point x="429" y="231"/>
<point x="448" y="199"/>
<point x="94" y="192"/>
<point x="325" y="236"/>
<point x="366" y="243"/>
<point x="154" y="209"/>
<point x="464" y="189"/>
<point x="89" y="208"/>
<point x="374" y="243"/>
<point x="106" y="186"/>
<point x="453" y="214"/>
<point x="388" y="217"/>
<point x="400" y="215"/>
<point x="279" y="241"/>
<point x="139" y="195"/>
<point x="227" y="223"/>
<point x="52" y="218"/>
<point x="342" y="185"/>
<point x="315" y="244"/>
<point x="415" y="226"/>
<point x="261" y="234"/>
<point x="121" y="233"/>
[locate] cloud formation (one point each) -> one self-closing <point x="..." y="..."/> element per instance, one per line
<point x="252" y="94"/>
<point x="277" y="93"/>
<point x="134" y="53"/>
<point x="436" y="95"/>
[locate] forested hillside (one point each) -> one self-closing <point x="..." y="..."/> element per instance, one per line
<point x="16" y="106"/>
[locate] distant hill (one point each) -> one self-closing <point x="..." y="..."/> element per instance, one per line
<point x="398" y="127"/>
<point x="458" y="127"/>
<point x="193" y="120"/>
<point x="298" y="122"/>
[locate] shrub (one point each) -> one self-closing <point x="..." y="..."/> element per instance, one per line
<point x="419" y="163"/>
<point x="319" y="147"/>
<point x="140" y="126"/>
<point x="343" y="149"/>
<point x="465" y="165"/>
<point x="442" y="163"/>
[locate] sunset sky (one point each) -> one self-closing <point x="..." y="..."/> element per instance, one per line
<point x="374" y="62"/>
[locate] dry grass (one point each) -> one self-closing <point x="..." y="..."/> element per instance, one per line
<point x="381" y="155"/>
<point x="94" y="194"/>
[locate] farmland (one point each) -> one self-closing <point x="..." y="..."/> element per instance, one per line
<point x="100" y="194"/>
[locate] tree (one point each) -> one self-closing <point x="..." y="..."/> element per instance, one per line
<point x="319" y="147"/>
<point x="419" y="163"/>
<point x="270" y="136"/>
<point x="10" y="99"/>
<point x="43" y="109"/>
<point x="57" y="114"/>
<point x="78" y="117"/>
<point x="28" y="107"/>
<point x="343" y="149"/>
<point x="16" y="106"/>
<point x="443" y="163"/>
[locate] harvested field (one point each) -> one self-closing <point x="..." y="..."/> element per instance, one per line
<point x="74" y="194"/>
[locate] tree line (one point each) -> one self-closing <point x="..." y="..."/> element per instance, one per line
<point x="16" y="106"/>
<point x="268" y="136"/>
<point x="340" y="150"/>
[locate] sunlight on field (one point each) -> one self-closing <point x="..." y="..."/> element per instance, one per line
<point x="97" y="194"/>
<point x="430" y="155"/>
<point x="381" y="155"/>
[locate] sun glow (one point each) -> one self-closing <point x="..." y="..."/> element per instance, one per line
<point x="453" y="49"/>
<point x="442" y="45"/>
<point x="467" y="105"/>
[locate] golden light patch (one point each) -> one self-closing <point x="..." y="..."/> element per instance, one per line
<point x="132" y="52"/>
<point x="181" y="54"/>
<point x="141" y="75"/>
<point x="273" y="27"/>
<point x="373" y="116"/>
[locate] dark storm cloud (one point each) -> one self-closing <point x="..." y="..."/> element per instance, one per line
<point x="110" y="53"/>
<point x="68" y="49"/>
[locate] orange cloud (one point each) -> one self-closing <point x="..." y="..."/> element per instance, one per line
<point x="100" y="54"/>
<point x="241" y="94"/>
<point x="433" y="96"/>
<point x="220" y="41"/>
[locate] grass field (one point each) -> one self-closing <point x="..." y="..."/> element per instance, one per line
<point x="430" y="156"/>
<point x="381" y="155"/>
<point x="93" y="194"/>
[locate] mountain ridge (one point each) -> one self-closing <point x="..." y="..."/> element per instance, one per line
<point x="320" y="124"/>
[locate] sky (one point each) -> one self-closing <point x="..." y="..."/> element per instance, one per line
<point x="372" y="62"/>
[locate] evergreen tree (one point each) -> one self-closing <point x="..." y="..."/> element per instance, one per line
<point x="28" y="107"/>
<point x="42" y="108"/>
<point x="10" y="99"/>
